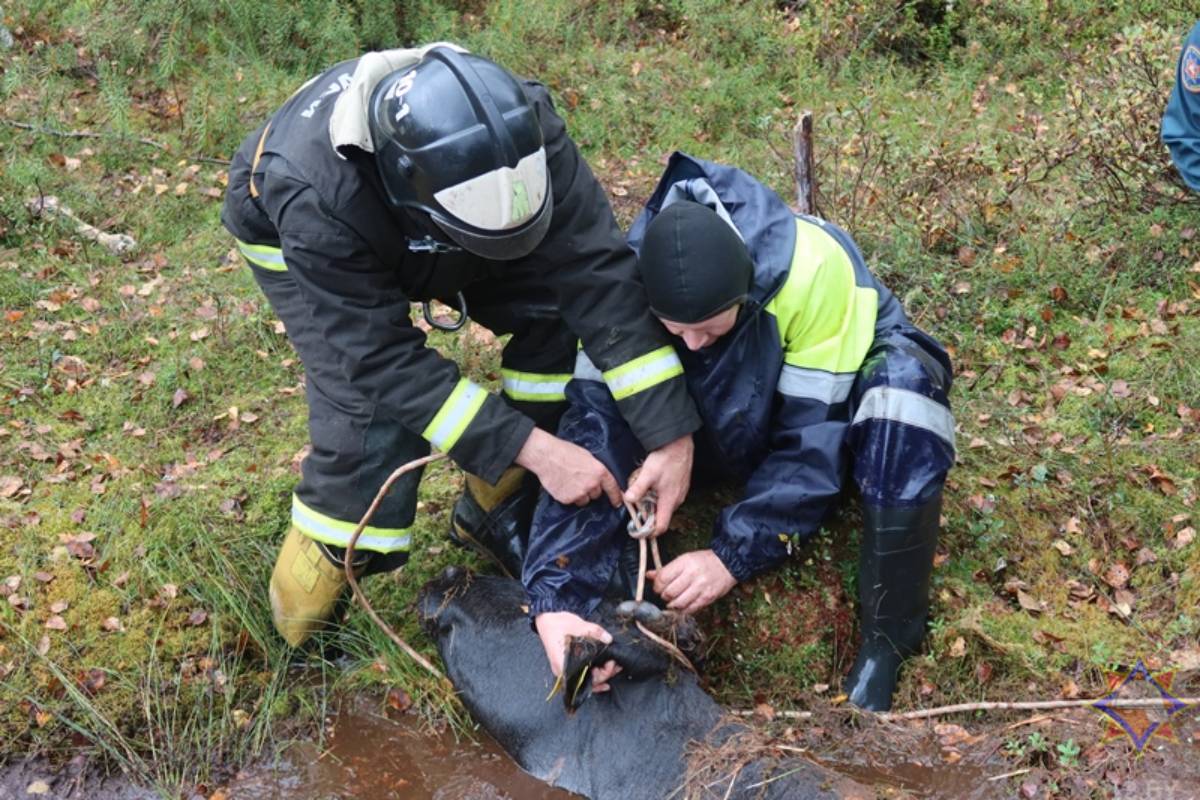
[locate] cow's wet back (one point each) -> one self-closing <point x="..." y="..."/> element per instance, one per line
<point x="626" y="744"/>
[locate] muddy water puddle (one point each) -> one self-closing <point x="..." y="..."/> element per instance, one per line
<point x="368" y="756"/>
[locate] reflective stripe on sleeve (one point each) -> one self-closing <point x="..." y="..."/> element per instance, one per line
<point x="815" y="384"/>
<point x="455" y="415"/>
<point x="908" y="407"/>
<point x="262" y="255"/>
<point x="534" y="386"/>
<point x="643" y="372"/>
<point x="324" y="528"/>
<point x="585" y="370"/>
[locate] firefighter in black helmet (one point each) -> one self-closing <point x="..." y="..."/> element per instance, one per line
<point x="432" y="173"/>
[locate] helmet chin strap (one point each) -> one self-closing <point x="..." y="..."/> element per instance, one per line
<point x="430" y="245"/>
<point x="424" y="243"/>
<point x="424" y="236"/>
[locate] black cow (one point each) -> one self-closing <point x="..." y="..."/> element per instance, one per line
<point x="631" y="743"/>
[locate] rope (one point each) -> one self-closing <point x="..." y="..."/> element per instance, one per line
<point x="348" y="559"/>
<point x="641" y="528"/>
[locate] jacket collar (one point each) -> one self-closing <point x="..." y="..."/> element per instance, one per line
<point x="348" y="122"/>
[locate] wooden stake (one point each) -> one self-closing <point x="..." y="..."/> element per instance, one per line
<point x="802" y="147"/>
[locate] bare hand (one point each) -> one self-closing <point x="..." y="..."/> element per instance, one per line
<point x="554" y="627"/>
<point x="668" y="472"/>
<point x="692" y="581"/>
<point x="569" y="473"/>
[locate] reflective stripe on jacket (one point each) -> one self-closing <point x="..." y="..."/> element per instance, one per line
<point x="321" y="213"/>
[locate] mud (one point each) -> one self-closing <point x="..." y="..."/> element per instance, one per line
<point x="368" y="756"/>
<point x="37" y="779"/>
<point x="911" y="762"/>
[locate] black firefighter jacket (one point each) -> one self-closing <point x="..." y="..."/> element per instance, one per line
<point x="321" y="201"/>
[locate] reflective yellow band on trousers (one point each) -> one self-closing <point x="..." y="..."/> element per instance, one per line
<point x="448" y="424"/>
<point x="535" y="387"/>
<point x="261" y="255"/>
<point x="643" y="372"/>
<point x="326" y="529"/>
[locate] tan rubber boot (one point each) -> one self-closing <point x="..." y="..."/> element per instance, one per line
<point x="488" y="496"/>
<point x="305" y="588"/>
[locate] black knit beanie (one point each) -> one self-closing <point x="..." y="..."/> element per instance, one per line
<point x="693" y="264"/>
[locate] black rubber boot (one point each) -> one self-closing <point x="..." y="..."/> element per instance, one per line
<point x="494" y="520"/>
<point x="893" y="590"/>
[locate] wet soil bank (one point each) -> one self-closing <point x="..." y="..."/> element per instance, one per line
<point x="37" y="779"/>
<point x="368" y="755"/>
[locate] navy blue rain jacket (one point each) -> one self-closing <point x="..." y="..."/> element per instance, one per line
<point x="772" y="393"/>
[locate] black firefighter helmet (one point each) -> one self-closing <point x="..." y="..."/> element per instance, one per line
<point x="456" y="138"/>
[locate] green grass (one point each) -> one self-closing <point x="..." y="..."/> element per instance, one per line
<point x="971" y="153"/>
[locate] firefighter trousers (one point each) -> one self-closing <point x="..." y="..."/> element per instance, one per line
<point x="355" y="445"/>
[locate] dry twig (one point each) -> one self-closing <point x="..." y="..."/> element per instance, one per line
<point x="28" y="126"/>
<point x="1034" y="705"/>
<point x="1024" y="705"/>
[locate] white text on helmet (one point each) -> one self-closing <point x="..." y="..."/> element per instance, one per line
<point x="397" y="92"/>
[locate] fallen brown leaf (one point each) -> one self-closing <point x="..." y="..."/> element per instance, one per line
<point x="1117" y="575"/>
<point x="1185" y="537"/>
<point x="93" y="681"/>
<point x="10" y="485"/>
<point x="1027" y="602"/>
<point x="398" y="700"/>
